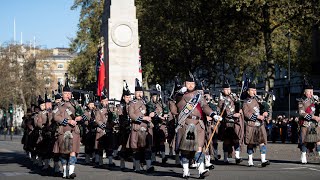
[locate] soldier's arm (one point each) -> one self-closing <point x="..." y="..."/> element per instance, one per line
<point x="303" y="113"/>
<point x="38" y="121"/>
<point x="132" y="114"/>
<point x="248" y="112"/>
<point x="99" y="120"/>
<point x="173" y="108"/>
<point x="59" y="117"/>
<point x="206" y="109"/>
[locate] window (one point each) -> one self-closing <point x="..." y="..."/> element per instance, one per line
<point x="60" y="66"/>
<point x="46" y="66"/>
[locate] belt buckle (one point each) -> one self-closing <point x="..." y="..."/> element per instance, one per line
<point x="257" y="124"/>
<point x="194" y="117"/>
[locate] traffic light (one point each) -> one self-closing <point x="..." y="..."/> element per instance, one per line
<point x="10" y="109"/>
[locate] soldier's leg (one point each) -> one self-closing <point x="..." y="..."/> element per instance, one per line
<point x="72" y="163"/>
<point x="185" y="164"/>
<point x="303" y="146"/>
<point x="110" y="157"/>
<point x="237" y="153"/>
<point x="318" y="148"/>
<point x="216" y="154"/>
<point x="148" y="153"/>
<point x="199" y="158"/>
<point x="153" y="154"/>
<point x="163" y="153"/>
<point x="63" y="160"/>
<point x="136" y="161"/>
<point x="56" y="164"/>
<point x="250" y="155"/>
<point x="99" y="157"/>
<point x="226" y="150"/>
<point x="208" y="163"/>
<point x="263" y="152"/>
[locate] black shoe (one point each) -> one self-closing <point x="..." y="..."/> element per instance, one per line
<point x="238" y="161"/>
<point x="72" y="176"/>
<point x="210" y="167"/>
<point x="164" y="160"/>
<point x="150" y="170"/>
<point x="186" y="177"/>
<point x="57" y="174"/>
<point x="204" y="174"/>
<point x="264" y="164"/>
<point x="251" y="165"/>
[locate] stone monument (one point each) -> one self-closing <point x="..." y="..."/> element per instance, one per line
<point x="121" y="49"/>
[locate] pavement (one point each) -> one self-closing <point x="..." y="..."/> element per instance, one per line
<point x="284" y="159"/>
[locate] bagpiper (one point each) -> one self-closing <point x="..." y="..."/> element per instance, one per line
<point x="191" y="129"/>
<point x="125" y="124"/>
<point x="140" y="139"/>
<point x="232" y="125"/>
<point x="255" y="134"/>
<point x="159" y="114"/>
<point x="68" y="143"/>
<point x="309" y="122"/>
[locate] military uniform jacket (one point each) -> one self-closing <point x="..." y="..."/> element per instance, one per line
<point x="255" y="131"/>
<point x="137" y="110"/>
<point x="61" y="115"/>
<point x="229" y="103"/>
<point x="122" y="111"/>
<point x="201" y="109"/>
<point x="196" y="118"/>
<point x="251" y="111"/>
<point x="307" y="108"/>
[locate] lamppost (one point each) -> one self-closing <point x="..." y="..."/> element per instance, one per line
<point x="289" y="76"/>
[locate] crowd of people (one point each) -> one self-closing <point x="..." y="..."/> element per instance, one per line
<point x="191" y="122"/>
<point x="283" y="130"/>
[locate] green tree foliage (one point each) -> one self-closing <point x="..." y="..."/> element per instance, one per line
<point x="189" y="35"/>
<point x="86" y="42"/>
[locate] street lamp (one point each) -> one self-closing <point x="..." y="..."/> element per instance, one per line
<point x="288" y="35"/>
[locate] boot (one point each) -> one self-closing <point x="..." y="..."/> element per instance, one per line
<point x="164" y="158"/>
<point x="264" y="162"/>
<point x="250" y="160"/>
<point x="225" y="157"/>
<point x="57" y="172"/>
<point x="237" y="156"/>
<point x="111" y="164"/>
<point x="150" y="168"/>
<point x="72" y="174"/>
<point x="186" y="173"/>
<point x="303" y="158"/>
<point x="208" y="163"/>
<point x="64" y="171"/>
<point x="137" y="165"/>
<point x="203" y="172"/>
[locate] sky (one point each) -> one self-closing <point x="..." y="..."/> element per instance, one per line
<point x="51" y="22"/>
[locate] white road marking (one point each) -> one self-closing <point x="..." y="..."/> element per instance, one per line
<point x="295" y="168"/>
<point x="12" y="174"/>
<point x="314" y="169"/>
